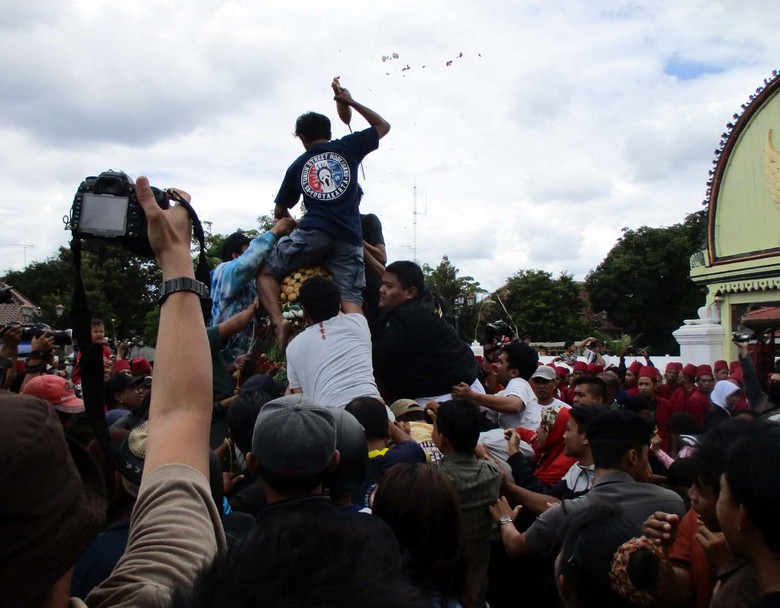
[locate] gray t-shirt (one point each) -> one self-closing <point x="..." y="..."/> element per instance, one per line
<point x="636" y="499"/>
<point x="331" y="361"/>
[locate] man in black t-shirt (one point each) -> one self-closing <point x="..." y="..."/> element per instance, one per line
<point x="374" y="258"/>
<point x="330" y="232"/>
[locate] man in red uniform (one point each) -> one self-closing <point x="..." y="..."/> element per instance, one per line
<point x="672" y="377"/>
<point x="721" y="369"/>
<point x="686" y="386"/>
<point x="659" y="405"/>
<point x="699" y="401"/>
<point x="632" y="376"/>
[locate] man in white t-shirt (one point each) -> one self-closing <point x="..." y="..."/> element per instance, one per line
<point x="516" y="405"/>
<point x="543" y="385"/>
<point x="330" y="361"/>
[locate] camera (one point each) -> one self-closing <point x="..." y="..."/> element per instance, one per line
<point x="741" y="337"/>
<point x="498" y="331"/>
<point x="106" y="207"/>
<point x="62" y="337"/>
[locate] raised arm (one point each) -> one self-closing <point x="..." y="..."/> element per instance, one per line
<point x="375" y="120"/>
<point x="755" y="396"/>
<point x="180" y="412"/>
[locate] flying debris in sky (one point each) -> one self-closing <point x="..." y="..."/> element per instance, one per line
<point x="393" y="56"/>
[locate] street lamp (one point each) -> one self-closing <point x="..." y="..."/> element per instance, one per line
<point x="27" y="312"/>
<point x="460" y="300"/>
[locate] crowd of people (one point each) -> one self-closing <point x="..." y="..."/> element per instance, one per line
<point x="394" y="467"/>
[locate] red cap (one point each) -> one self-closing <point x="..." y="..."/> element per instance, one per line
<point x="635" y="368"/>
<point x="121" y="365"/>
<point x="561" y="372"/>
<point x="648" y="372"/>
<point x="689" y="370"/>
<point x="721" y="364"/>
<point x="674" y="365"/>
<point x="57" y="391"/>
<point x="736" y="374"/>
<point x="733" y="366"/>
<point x="581" y="366"/>
<point x="141" y="367"/>
<point x="597" y="369"/>
<point x="704" y="370"/>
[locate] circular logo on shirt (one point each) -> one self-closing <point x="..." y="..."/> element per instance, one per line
<point x="325" y="176"/>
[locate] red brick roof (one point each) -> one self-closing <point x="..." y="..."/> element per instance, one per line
<point x="13" y="310"/>
<point x="765" y="314"/>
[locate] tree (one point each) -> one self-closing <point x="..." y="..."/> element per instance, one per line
<point x="445" y="282"/>
<point x="643" y="282"/>
<point x="118" y="285"/>
<point x="546" y="308"/>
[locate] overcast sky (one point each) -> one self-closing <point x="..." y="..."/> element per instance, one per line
<point x="555" y="125"/>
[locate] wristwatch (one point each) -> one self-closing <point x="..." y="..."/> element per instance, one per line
<point x="506" y="519"/>
<point x="182" y="284"/>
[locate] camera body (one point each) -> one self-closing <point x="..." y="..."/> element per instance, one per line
<point x="106" y="207"/>
<point x="62" y="337"/>
<point x="497" y="331"/>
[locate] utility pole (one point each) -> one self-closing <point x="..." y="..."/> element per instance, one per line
<point x="25" y="247"/>
<point x="415" y="213"/>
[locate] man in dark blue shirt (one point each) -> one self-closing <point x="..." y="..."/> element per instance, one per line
<point x="330" y="232"/>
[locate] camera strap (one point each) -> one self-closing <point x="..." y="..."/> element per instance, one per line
<point x="202" y="270"/>
<point x="91" y="362"/>
<point x="91" y="368"/>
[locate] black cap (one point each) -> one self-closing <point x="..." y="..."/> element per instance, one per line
<point x="233" y="244"/>
<point x="263" y="382"/>
<point x="619" y="425"/>
<point x="116" y="384"/>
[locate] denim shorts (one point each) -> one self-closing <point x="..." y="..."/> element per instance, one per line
<point x="306" y="247"/>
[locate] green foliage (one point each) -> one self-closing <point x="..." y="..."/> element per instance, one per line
<point x="447" y="284"/>
<point x="151" y="323"/>
<point x="119" y="286"/>
<point x="546" y="308"/>
<point x="643" y="283"/>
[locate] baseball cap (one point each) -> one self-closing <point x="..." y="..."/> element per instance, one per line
<point x="263" y="382"/>
<point x="545" y="373"/>
<point x="116" y="384"/>
<point x="404" y="406"/>
<point x="294" y="436"/>
<point x="57" y="391"/>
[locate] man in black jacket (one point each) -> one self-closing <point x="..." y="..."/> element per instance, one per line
<point x="416" y="353"/>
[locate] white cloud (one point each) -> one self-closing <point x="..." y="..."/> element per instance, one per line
<point x="559" y="124"/>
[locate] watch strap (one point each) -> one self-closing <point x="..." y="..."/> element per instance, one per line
<point x="182" y="284"/>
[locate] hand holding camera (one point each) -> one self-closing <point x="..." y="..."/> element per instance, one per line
<point x="43" y="343"/>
